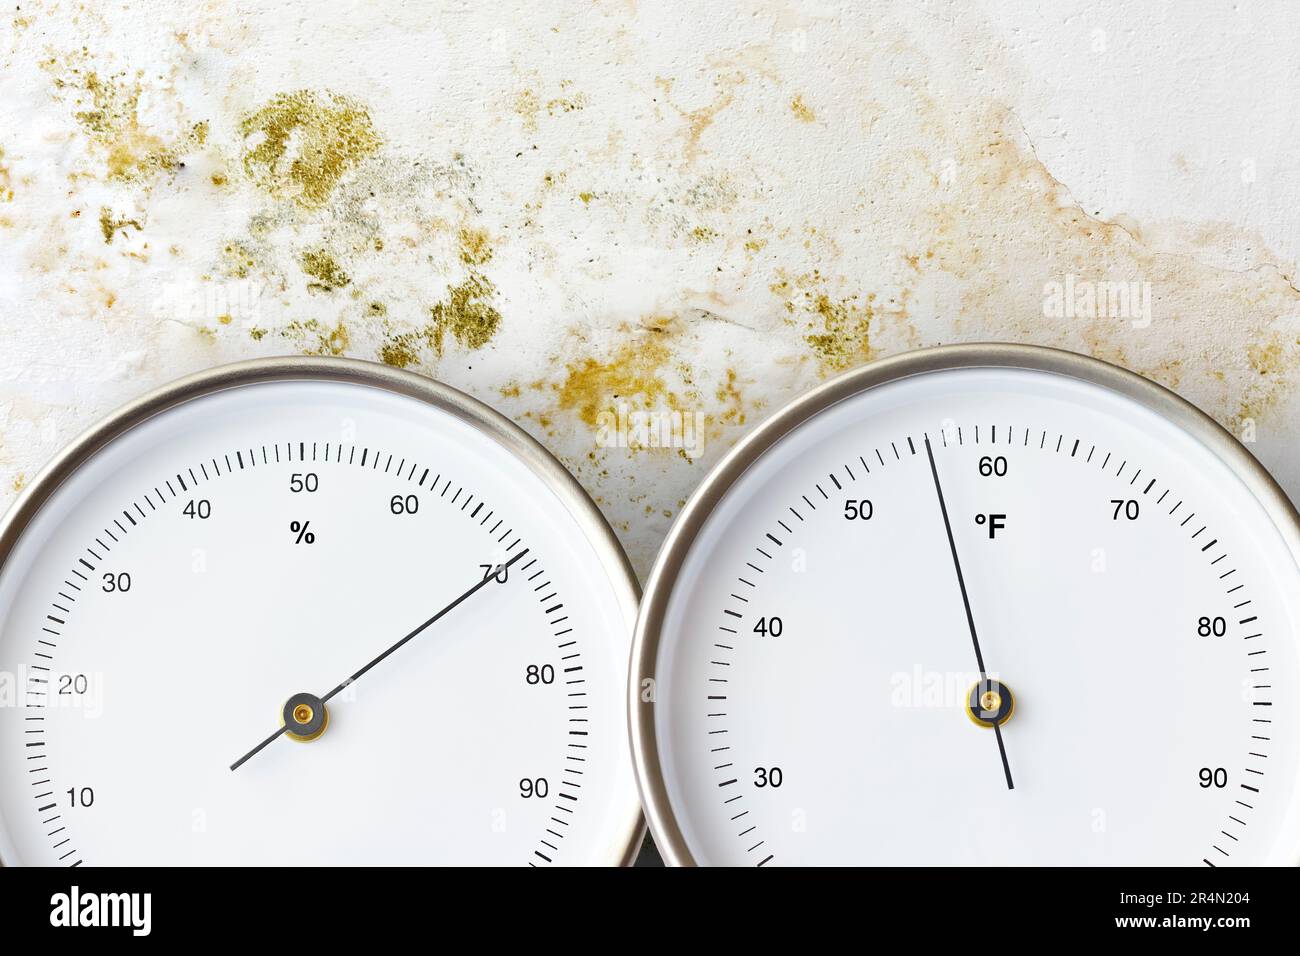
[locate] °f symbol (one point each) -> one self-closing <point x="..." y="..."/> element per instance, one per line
<point x="995" y="523"/>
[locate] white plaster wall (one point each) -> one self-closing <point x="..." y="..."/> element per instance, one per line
<point x="697" y="207"/>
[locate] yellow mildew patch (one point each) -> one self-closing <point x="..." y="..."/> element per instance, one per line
<point x="568" y="101"/>
<point x="801" y="110"/>
<point x="466" y="314"/>
<point x="528" y="105"/>
<point x="632" y="376"/>
<point x="313" y="337"/>
<point x="648" y="372"/>
<point x="237" y="260"/>
<point x="106" y="107"/>
<point x="110" y="226"/>
<point x="19" y="482"/>
<point x="731" y="402"/>
<point x="301" y="144"/>
<point x="1274" y="363"/>
<point x="324" y="269"/>
<point x="6" y="184"/>
<point x="475" y="248"/>
<point x="837" y="328"/>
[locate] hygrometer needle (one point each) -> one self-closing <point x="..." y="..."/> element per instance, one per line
<point x="258" y="749"/>
<point x="970" y="618"/>
<point x="492" y="575"/>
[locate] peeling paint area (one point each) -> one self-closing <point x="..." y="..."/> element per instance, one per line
<point x="637" y="228"/>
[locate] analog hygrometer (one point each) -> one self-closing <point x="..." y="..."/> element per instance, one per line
<point x="976" y="605"/>
<point x="312" y="612"/>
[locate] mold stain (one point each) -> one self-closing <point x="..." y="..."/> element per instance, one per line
<point x="529" y="106"/>
<point x="839" y="329"/>
<point x="634" y="375"/>
<point x="648" y="372"/>
<point x="568" y="101"/>
<point x="801" y="110"/>
<point x="324" y="270"/>
<point x="299" y="145"/>
<point x="313" y="337"/>
<point x="110" y="225"/>
<point x="237" y="260"/>
<point x="466" y="315"/>
<point x="475" y="246"/>
<point x="1003" y="227"/>
<point x="107" y="108"/>
<point x="6" y="180"/>
<point x="699" y="120"/>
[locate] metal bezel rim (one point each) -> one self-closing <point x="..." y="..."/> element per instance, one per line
<point x="681" y="536"/>
<point x="358" y="372"/>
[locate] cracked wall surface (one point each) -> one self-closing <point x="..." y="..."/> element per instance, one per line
<point x="692" y="210"/>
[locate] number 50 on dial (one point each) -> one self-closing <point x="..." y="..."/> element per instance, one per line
<point x="976" y="605"/>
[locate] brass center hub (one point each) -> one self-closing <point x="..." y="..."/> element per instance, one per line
<point x="989" y="703"/>
<point x="305" y="717"/>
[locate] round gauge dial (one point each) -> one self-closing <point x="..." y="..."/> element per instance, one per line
<point x="310" y="611"/>
<point x="977" y="605"/>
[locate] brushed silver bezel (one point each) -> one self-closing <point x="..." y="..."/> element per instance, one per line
<point x="500" y="429"/>
<point x="681" y="536"/>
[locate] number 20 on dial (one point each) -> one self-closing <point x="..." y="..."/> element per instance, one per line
<point x="312" y="612"/>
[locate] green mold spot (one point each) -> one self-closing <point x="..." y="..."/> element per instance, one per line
<point x="106" y="107"/>
<point x="315" y="338"/>
<point x="467" y="315"/>
<point x="325" y="270"/>
<point x="301" y="144"/>
<point x="237" y="260"/>
<point x="474" y="247"/>
<point x="111" y="226"/>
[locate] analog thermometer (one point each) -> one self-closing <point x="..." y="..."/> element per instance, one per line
<point x="976" y="605"/>
<point x="307" y="611"/>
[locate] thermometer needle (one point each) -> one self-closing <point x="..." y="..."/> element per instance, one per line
<point x="970" y="618"/>
<point x="491" y="576"/>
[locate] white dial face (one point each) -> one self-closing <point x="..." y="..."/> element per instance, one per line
<point x="1132" y="602"/>
<point x="268" y="543"/>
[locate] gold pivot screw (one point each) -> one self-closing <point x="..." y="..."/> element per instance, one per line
<point x="305" y="717"/>
<point x="989" y="703"/>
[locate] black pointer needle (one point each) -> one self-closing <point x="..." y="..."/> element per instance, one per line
<point x="970" y="618"/>
<point x="415" y="633"/>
